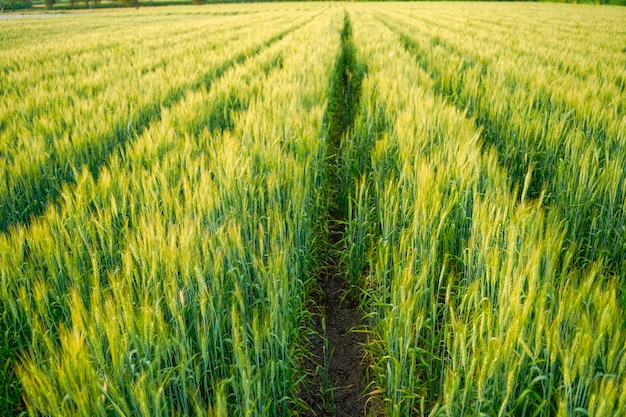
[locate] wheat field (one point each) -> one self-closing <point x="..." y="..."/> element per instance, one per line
<point x="174" y="181"/>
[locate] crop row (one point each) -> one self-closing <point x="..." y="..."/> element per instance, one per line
<point x="476" y="300"/>
<point x="562" y="130"/>
<point x="174" y="281"/>
<point x="103" y="99"/>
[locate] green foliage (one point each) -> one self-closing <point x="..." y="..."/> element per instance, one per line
<point x="474" y="276"/>
<point x="162" y="198"/>
<point x="129" y="3"/>
<point x="15" y="4"/>
<point x="540" y="126"/>
<point x="182" y="266"/>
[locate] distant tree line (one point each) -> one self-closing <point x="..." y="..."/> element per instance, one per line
<point x="15" y="4"/>
<point x="73" y="3"/>
<point x="10" y="5"/>
<point x="27" y="4"/>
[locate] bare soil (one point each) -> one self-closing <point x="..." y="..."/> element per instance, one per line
<point x="347" y="367"/>
<point x="338" y="365"/>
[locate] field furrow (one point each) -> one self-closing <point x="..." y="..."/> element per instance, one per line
<point x="341" y="386"/>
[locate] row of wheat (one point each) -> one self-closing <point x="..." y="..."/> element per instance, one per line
<point x="174" y="281"/>
<point x="72" y="97"/>
<point x="486" y="225"/>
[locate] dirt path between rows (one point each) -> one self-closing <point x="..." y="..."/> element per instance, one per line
<point x="339" y="383"/>
<point x="338" y="363"/>
<point x="346" y="367"/>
